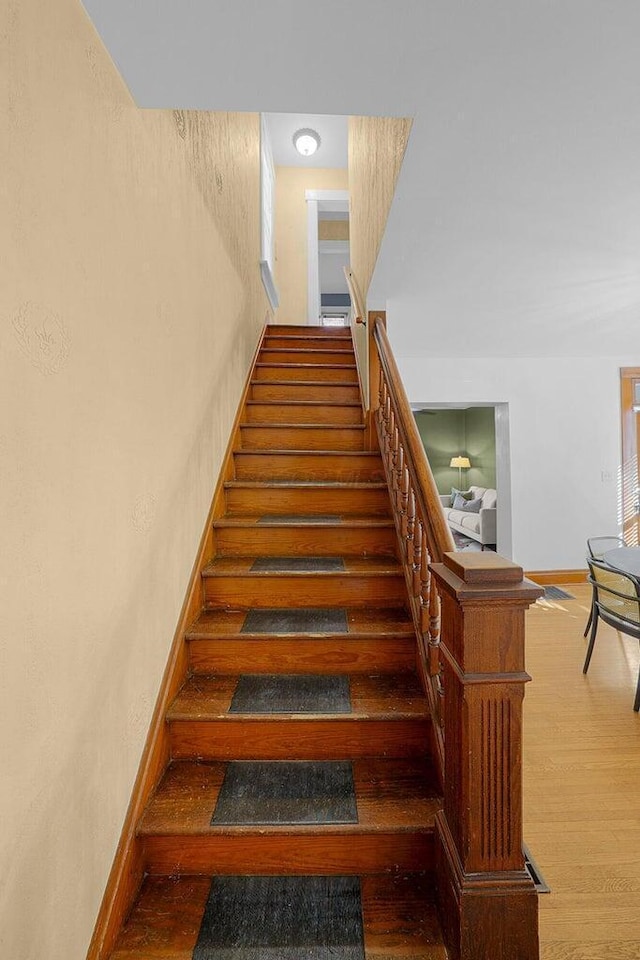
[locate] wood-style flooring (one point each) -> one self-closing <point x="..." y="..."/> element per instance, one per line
<point x="582" y="783"/>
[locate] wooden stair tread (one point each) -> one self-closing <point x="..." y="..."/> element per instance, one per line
<point x="304" y="329"/>
<point x="323" y="404"/>
<point x="305" y="484"/>
<point x="266" y="425"/>
<point x="399" y="919"/>
<point x="344" y="521"/>
<point x="383" y="697"/>
<point x="372" y="566"/>
<point x="340" y="353"/>
<point x="337" y="348"/>
<point x="329" y="384"/>
<point x="372" y="455"/>
<point x="392" y="622"/>
<point x="305" y="366"/>
<point x="391" y="795"/>
<point x="341" y="341"/>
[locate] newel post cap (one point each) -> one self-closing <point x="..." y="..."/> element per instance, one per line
<point x="483" y="575"/>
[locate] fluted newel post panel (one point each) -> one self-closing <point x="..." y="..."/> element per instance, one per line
<point x="487" y="901"/>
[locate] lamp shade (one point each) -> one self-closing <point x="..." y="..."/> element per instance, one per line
<point x="306" y="141"/>
<point x="463" y="463"/>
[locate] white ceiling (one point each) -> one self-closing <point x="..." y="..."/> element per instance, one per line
<point x="333" y="131"/>
<point x="515" y="229"/>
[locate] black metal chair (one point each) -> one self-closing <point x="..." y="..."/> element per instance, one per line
<point x="597" y="547"/>
<point x="617" y="602"/>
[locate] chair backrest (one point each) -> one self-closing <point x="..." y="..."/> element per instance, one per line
<point x="616" y="593"/>
<point x="598" y="546"/>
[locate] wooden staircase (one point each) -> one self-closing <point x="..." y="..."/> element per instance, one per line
<point x="304" y="489"/>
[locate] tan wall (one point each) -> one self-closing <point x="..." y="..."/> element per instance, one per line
<point x="130" y="306"/>
<point x="376" y="150"/>
<point x="291" y="234"/>
<point x="333" y="230"/>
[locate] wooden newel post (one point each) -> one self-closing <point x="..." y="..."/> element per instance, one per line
<point x="487" y="901"/>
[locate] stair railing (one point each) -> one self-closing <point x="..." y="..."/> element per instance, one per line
<point x="423" y="534"/>
<point x="468" y="611"/>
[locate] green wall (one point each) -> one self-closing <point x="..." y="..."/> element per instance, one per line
<point x="470" y="432"/>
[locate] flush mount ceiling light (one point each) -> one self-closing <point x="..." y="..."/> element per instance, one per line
<point x="306" y="141"/>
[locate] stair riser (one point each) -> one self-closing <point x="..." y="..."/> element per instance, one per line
<point x="301" y="438"/>
<point x="334" y="739"/>
<point x="303" y="413"/>
<point x="306" y="355"/>
<point x="304" y="391"/>
<point x="306" y="371"/>
<point x="272" y="342"/>
<point x="292" y="853"/>
<point x="299" y="541"/>
<point x="296" y="466"/>
<point x="301" y="655"/>
<point x="311" y="500"/>
<point x="304" y="590"/>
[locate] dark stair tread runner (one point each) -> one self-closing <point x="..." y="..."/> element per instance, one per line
<point x="291" y="793"/>
<point x="315" y="918"/>
<point x="399" y="919"/>
<point x="266" y="693"/>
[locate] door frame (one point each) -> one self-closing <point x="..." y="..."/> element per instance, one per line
<point x="629" y="473"/>
<point x="504" y="534"/>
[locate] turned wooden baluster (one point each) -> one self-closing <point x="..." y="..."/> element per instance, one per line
<point x="435" y="663"/>
<point x="388" y="452"/>
<point x="399" y="477"/>
<point x="382" y="405"/>
<point x="417" y="555"/>
<point x="405" y="483"/>
<point x="387" y="415"/>
<point x="411" y="525"/>
<point x="425" y="584"/>
<point x="395" y="454"/>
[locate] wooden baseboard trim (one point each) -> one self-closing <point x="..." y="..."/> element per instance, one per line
<point x="127" y="870"/>
<point x="549" y="577"/>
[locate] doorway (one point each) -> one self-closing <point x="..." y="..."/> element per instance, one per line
<point x="488" y="467"/>
<point x="630" y="429"/>
<point x="327" y="254"/>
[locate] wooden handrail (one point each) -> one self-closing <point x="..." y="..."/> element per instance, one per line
<point x="441" y="539"/>
<point x="357" y="303"/>
<point x="423" y="534"/>
<point x="468" y="613"/>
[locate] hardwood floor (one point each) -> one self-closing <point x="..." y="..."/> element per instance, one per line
<point x="582" y="783"/>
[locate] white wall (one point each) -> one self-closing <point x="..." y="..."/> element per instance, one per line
<point x="565" y="432"/>
<point x="333" y="258"/>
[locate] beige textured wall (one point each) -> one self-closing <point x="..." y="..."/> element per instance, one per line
<point x="291" y="234"/>
<point x="376" y="150"/>
<point x="333" y="230"/>
<point x="130" y="306"/>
